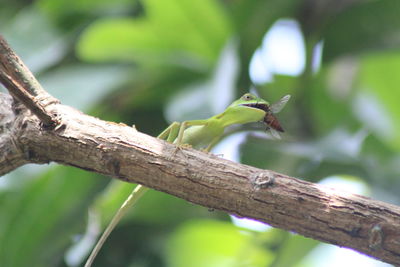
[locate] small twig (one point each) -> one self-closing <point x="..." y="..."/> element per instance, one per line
<point x="30" y="102"/>
<point x="22" y="85"/>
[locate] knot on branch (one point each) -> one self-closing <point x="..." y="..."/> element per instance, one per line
<point x="376" y="236"/>
<point x="263" y="179"/>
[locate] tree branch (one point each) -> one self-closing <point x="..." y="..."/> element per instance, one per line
<point x="368" y="226"/>
<point x="21" y="83"/>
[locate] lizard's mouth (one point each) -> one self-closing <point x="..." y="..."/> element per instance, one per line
<point x="269" y="118"/>
<point x="261" y="106"/>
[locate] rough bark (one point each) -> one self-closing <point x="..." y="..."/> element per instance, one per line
<point x="117" y="150"/>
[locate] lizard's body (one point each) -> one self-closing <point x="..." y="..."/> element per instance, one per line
<point x="203" y="134"/>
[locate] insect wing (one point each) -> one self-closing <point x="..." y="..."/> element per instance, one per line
<point x="278" y="106"/>
<point x="274" y="133"/>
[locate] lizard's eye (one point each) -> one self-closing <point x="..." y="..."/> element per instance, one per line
<point x="247" y="97"/>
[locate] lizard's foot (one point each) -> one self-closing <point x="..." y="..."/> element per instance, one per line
<point x="180" y="147"/>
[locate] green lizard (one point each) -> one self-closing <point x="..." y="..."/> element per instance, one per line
<point x="204" y="134"/>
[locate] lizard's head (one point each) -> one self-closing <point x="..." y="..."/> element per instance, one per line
<point x="256" y="109"/>
<point x="252" y="102"/>
<point x="248" y="108"/>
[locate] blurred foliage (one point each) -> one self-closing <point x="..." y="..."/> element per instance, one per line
<point x="148" y="62"/>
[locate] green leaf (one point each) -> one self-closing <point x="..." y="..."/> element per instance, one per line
<point x="62" y="7"/>
<point x="39" y="220"/>
<point x="378" y="83"/>
<point x="120" y="39"/>
<point x="148" y="209"/>
<point x="213" y="243"/>
<point x="207" y="37"/>
<point x="294" y="250"/>
<point x="35" y="39"/>
<point x="77" y="14"/>
<point x="154" y="38"/>
<point x="328" y="109"/>
<point x="82" y="86"/>
<point x="371" y="25"/>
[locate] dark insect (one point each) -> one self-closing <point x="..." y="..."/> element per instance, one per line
<point x="272" y="122"/>
<point x="273" y="125"/>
